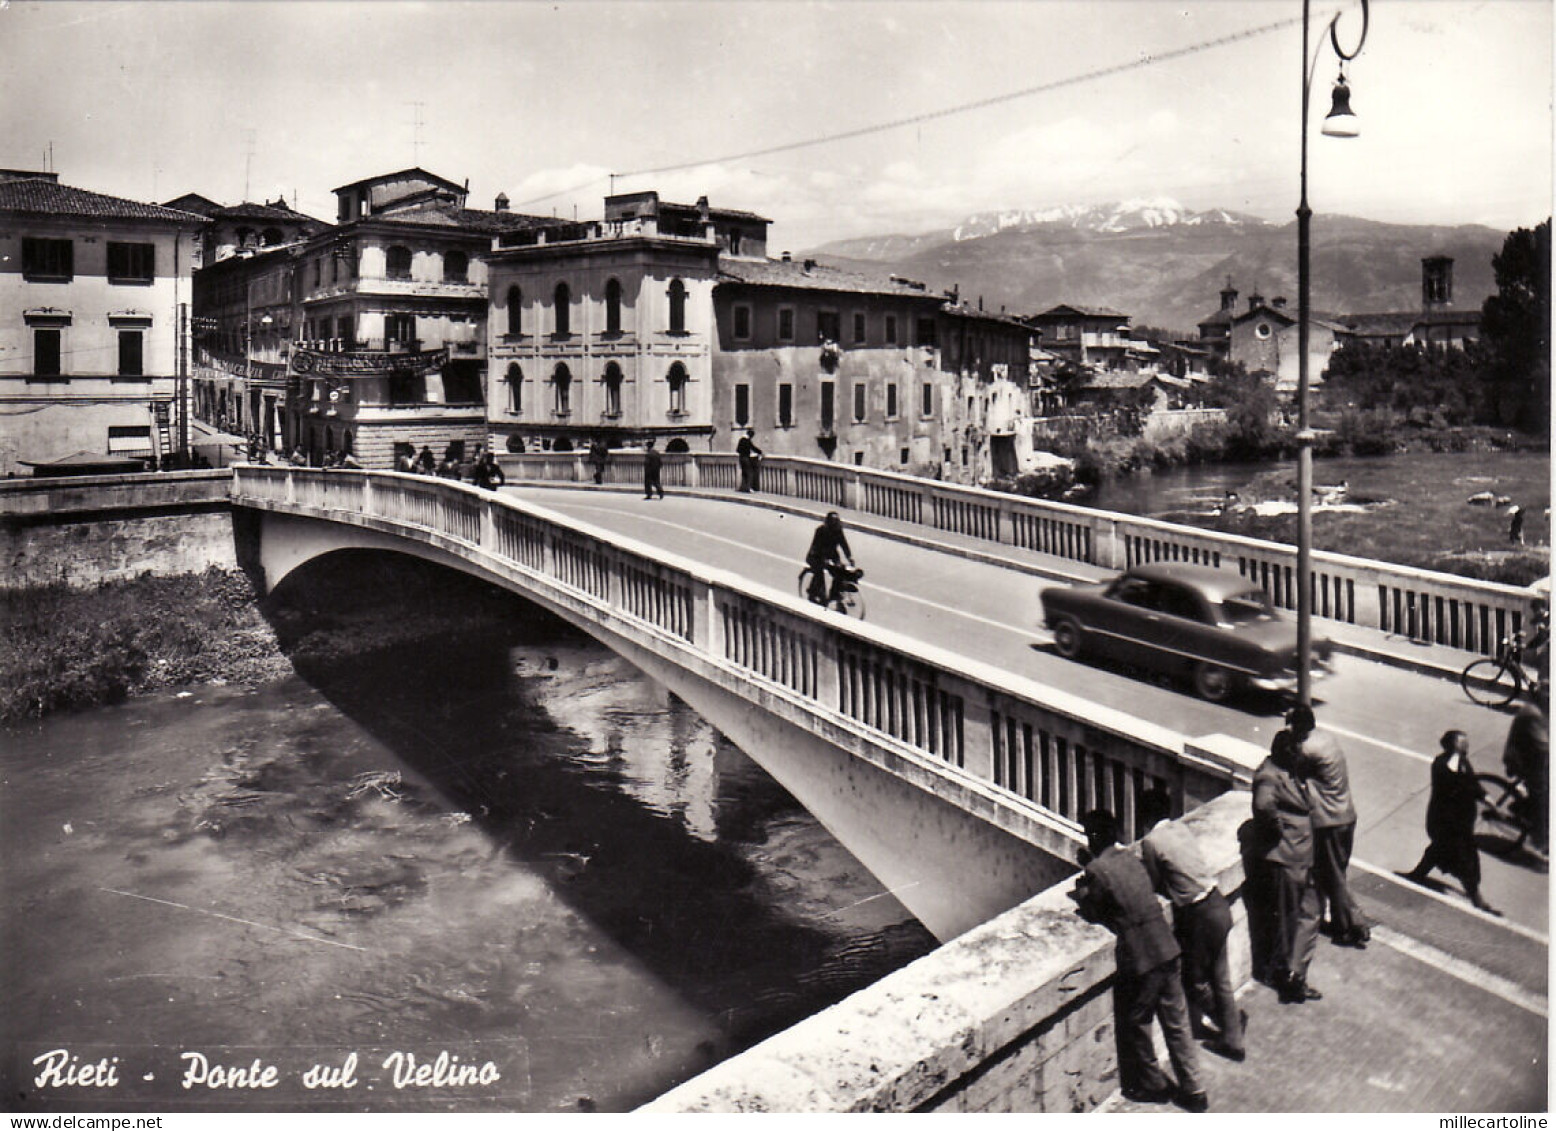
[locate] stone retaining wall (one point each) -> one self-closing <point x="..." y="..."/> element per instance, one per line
<point x="1015" y="1015"/>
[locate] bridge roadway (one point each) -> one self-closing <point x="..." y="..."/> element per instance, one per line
<point x="1388" y="717"/>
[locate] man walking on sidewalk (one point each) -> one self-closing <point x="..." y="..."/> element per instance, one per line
<point x="1322" y="763"/>
<point x="652" y="461"/>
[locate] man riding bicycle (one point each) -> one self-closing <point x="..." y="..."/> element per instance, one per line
<point x="828" y="551"/>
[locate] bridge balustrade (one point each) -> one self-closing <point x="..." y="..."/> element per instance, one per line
<point x="1058" y="752"/>
<point x="1428" y="607"/>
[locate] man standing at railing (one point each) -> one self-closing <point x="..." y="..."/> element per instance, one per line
<point x="652" y="461"/>
<point x="1322" y="762"/>
<point x="750" y="457"/>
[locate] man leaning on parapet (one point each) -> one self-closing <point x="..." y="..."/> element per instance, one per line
<point x="1115" y="891"/>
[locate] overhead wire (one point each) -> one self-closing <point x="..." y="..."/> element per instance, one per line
<point x="1146" y="60"/>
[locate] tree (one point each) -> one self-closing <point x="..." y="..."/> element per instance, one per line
<point x="1515" y="327"/>
<point x="1251" y="409"/>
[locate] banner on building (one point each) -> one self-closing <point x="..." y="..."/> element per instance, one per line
<point x="321" y="363"/>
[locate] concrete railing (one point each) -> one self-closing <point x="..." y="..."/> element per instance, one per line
<point x="1427" y="607"/>
<point x="21" y="499"/>
<point x="1016" y="1015"/>
<point x="1056" y="752"/>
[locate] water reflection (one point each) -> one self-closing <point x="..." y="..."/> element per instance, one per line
<point x="509" y="843"/>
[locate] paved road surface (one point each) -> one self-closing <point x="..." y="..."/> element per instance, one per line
<point x="1387" y="719"/>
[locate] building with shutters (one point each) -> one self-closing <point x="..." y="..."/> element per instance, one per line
<point x="94" y="292"/>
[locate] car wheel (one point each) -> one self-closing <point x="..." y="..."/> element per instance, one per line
<point x="1067" y="639"/>
<point x="1213" y="682"/>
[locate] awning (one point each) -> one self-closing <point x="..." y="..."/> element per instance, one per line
<point x="220" y="440"/>
<point x="83" y="463"/>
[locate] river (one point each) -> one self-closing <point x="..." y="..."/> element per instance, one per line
<point x="505" y="872"/>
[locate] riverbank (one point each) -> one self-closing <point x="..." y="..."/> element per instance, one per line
<point x="65" y="649"/>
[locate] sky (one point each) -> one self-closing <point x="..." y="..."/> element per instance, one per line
<point x="1193" y="101"/>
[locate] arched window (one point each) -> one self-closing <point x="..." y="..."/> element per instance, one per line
<point x="676" y="447"/>
<point x="515" y="311"/>
<point x="398" y="262"/>
<point x="246" y="237"/>
<point x="613" y="390"/>
<point x="562" y="380"/>
<point x="272" y="237"/>
<point x="515" y="383"/>
<point x="613" y="307"/>
<point x="677" y="307"/>
<point x="562" y="300"/>
<point x="456" y="267"/>
<point x="677" y="379"/>
<point x="516" y="444"/>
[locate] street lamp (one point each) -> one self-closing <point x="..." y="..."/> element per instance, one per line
<point x="1340" y="122"/>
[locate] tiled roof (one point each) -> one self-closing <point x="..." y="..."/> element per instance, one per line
<point x="192" y="202"/>
<point x="777" y="273"/>
<point x="1083" y="311"/>
<point x="416" y="172"/>
<point x="1401" y="323"/>
<point x="248" y="210"/>
<point x="962" y="310"/>
<point x="46" y="198"/>
<point x="1120" y="379"/>
<point x="444" y="214"/>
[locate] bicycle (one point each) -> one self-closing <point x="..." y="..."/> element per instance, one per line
<point x="1505" y="814"/>
<point x="1497" y="682"/>
<point x="844" y="597"/>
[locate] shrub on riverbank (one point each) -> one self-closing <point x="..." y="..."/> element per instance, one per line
<point x="64" y="648"/>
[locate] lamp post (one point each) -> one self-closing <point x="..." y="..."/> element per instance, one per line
<point x="1341" y="122"/>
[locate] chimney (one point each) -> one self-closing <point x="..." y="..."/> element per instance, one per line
<point x="1255" y="300"/>
<point x="501" y="203"/>
<point x="1228" y="295"/>
<point x="810" y="265"/>
<point x="702" y="209"/>
<point x="1279" y="302"/>
<point x="787" y="258"/>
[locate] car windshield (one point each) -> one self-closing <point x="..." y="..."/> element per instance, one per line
<point x="1240" y="608"/>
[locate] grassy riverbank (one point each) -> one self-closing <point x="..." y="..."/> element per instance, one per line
<point x="63" y="649"/>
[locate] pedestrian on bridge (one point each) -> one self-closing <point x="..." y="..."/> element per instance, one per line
<point x="750" y="458"/>
<point x="1282" y="812"/>
<point x="652" y="462"/>
<point x="599" y="456"/>
<point x="1322" y="762"/>
<point x="1201" y="920"/>
<point x="1115" y="891"/>
<point x="1450" y="820"/>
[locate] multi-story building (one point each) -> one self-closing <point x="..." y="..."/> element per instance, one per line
<point x="238" y="228"/>
<point x="94" y="294"/>
<point x="375" y="327"/>
<point x="669" y="321"/>
<point x="1091" y="337"/>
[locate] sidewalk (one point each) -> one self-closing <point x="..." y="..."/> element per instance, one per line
<point x="1401" y="1027"/>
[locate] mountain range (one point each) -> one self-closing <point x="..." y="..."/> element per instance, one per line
<point x="1165" y="265"/>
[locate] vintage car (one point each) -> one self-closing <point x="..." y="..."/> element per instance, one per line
<point x="1215" y="628"/>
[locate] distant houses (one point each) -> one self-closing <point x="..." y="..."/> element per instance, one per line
<point x="130" y="331"/>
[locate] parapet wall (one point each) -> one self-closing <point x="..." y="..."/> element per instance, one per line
<point x="84" y="530"/>
<point x="1015" y="1015"/>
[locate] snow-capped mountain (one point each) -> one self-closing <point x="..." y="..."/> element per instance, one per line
<point x="1120" y="216"/>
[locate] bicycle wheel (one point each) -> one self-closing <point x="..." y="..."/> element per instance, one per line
<point x="804" y="586"/>
<point x="1495" y="822"/>
<point x="1491" y="683"/>
<point x="851" y="604"/>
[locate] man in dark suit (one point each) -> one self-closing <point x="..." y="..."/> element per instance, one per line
<point x="1115" y="891"/>
<point x="750" y="457"/>
<point x="1282" y="813"/>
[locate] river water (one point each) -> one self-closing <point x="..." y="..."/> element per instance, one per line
<point x="503" y="873"/>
